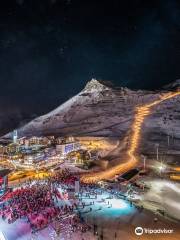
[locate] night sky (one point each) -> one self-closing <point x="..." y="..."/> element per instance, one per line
<point x="49" y="49"/>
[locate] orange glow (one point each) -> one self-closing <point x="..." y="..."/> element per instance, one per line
<point x="141" y="112"/>
<point x="175" y="177"/>
<point x="177" y="169"/>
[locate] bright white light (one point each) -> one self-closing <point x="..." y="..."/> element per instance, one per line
<point x="118" y="203"/>
<point x="2" y="237"/>
<point x="161" y="168"/>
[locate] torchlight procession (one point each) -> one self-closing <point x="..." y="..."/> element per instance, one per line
<point x="140" y="114"/>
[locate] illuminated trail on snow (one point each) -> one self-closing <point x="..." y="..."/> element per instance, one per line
<point x="141" y="112"/>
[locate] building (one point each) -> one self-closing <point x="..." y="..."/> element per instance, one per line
<point x="21" y="141"/>
<point x="59" y="140"/>
<point x="67" y="147"/>
<point x="40" y="140"/>
<point x="35" y="158"/>
<point x="15" y="136"/>
<point x="12" y="148"/>
<point x="3" y="181"/>
<point x="2" y="149"/>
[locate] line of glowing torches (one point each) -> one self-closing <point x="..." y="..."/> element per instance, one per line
<point x="141" y="112"/>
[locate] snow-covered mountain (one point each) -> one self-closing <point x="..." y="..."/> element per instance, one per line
<point x="102" y="110"/>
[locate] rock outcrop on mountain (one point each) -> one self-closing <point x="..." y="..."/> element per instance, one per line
<point x="102" y="110"/>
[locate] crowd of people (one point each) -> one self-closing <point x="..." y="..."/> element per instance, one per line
<point x="26" y="201"/>
<point x="63" y="177"/>
<point x="39" y="202"/>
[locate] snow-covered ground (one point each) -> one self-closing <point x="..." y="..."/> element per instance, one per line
<point x="20" y="230"/>
<point x="164" y="195"/>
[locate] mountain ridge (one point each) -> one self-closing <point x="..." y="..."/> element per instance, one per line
<point x="106" y="111"/>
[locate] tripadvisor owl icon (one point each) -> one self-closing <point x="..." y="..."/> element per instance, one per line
<point x="138" y="231"/>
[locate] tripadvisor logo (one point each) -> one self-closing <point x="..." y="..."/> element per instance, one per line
<point x="139" y="231"/>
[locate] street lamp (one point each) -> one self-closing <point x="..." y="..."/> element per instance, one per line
<point x="161" y="168"/>
<point x="144" y="161"/>
<point x="168" y="139"/>
<point x="157" y="151"/>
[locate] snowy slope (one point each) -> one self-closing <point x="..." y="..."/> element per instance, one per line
<point x="101" y="110"/>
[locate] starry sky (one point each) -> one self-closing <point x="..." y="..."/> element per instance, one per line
<point x="49" y="49"/>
